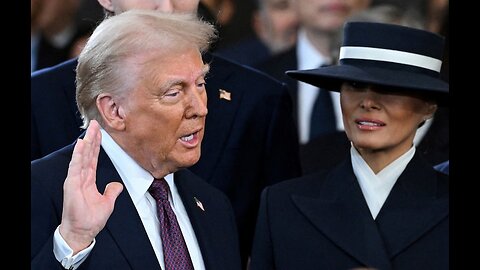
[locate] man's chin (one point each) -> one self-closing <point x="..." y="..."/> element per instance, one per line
<point x="188" y="162"/>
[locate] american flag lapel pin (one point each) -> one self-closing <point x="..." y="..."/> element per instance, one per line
<point x="224" y="94"/>
<point x="199" y="203"/>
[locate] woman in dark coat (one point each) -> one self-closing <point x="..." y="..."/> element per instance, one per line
<point x="384" y="206"/>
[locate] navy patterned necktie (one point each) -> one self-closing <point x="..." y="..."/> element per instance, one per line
<point x="322" y="120"/>
<point x="175" y="250"/>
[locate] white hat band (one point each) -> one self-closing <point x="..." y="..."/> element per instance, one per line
<point x="413" y="59"/>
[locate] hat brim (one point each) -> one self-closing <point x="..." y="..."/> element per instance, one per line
<point x="331" y="77"/>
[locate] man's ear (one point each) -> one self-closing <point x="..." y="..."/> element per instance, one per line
<point x="112" y="113"/>
<point x="106" y="4"/>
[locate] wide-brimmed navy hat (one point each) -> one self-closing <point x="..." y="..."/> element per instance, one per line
<point x="382" y="54"/>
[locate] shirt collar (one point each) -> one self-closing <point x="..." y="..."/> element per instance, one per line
<point x="377" y="187"/>
<point x="392" y="170"/>
<point x="136" y="179"/>
<point x="308" y="57"/>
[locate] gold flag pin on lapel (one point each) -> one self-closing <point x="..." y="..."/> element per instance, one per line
<point x="199" y="203"/>
<point x="225" y="94"/>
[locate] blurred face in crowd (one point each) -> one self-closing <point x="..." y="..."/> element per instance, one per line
<point x="221" y="10"/>
<point x="51" y="16"/>
<point x="276" y="23"/>
<point x="35" y="8"/>
<point x="379" y="120"/>
<point x="163" y="115"/>
<point x="180" y="6"/>
<point x="327" y="15"/>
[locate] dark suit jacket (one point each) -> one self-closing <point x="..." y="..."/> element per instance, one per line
<point x="322" y="221"/>
<point x="49" y="55"/>
<point x="250" y="142"/>
<point x="123" y="243"/>
<point x="249" y="51"/>
<point x="276" y="67"/>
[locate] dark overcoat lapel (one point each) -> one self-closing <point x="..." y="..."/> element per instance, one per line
<point x="342" y="215"/>
<point x="125" y="225"/>
<point x="329" y="209"/>
<point x="416" y="204"/>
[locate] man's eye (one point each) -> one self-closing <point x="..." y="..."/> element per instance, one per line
<point x="172" y="93"/>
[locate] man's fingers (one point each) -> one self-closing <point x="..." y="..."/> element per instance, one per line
<point x="76" y="163"/>
<point x="92" y="142"/>
<point x="92" y="130"/>
<point x="112" y="190"/>
<point x="83" y="166"/>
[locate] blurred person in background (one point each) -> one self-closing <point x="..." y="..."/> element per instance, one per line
<point x="220" y="13"/>
<point x="319" y="21"/>
<point x="54" y="31"/>
<point x="275" y="24"/>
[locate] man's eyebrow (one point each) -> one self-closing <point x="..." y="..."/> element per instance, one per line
<point x="170" y="83"/>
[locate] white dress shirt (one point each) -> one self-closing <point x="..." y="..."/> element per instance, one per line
<point x="137" y="181"/>
<point x="376" y="187"/>
<point x="310" y="58"/>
